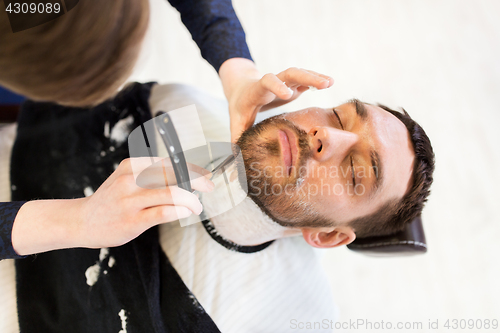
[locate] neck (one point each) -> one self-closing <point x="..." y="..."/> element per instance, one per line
<point x="245" y="224"/>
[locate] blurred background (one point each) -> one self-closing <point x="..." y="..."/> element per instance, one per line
<point x="440" y="60"/>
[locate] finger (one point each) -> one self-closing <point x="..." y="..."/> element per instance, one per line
<point x="235" y="135"/>
<point x="326" y="77"/>
<point x="200" y="182"/>
<point x="199" y="170"/>
<point x="274" y="84"/>
<point x="158" y="175"/>
<point x="171" y="195"/>
<point x="301" y="89"/>
<point x="163" y="214"/>
<point x="162" y="174"/>
<point x="168" y="170"/>
<point x="161" y="178"/>
<point x="239" y="125"/>
<point x="302" y="77"/>
<point x="138" y="167"/>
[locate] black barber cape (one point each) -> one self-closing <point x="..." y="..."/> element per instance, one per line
<point x="63" y="152"/>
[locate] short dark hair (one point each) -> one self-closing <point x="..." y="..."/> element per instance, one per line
<point x="394" y="215"/>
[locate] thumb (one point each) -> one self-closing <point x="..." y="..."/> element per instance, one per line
<point x="240" y="123"/>
<point x="236" y="131"/>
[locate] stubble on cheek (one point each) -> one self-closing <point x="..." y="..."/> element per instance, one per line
<point x="269" y="184"/>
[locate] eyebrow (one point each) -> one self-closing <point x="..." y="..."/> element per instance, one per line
<point x="376" y="164"/>
<point x="378" y="171"/>
<point x="360" y="109"/>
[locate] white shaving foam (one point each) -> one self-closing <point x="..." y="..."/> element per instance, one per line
<point x="88" y="191"/>
<point x="123" y="318"/>
<point x="121" y="130"/>
<point x="111" y="262"/>
<point x="106" y="129"/>
<point x="92" y="273"/>
<point x="103" y="254"/>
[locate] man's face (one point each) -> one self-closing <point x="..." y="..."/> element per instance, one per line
<point x="337" y="164"/>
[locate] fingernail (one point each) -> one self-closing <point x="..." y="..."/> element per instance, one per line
<point x="210" y="185"/>
<point x="288" y="91"/>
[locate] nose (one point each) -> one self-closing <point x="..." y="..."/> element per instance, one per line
<point x="329" y="143"/>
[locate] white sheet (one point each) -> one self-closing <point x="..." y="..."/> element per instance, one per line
<point x="8" y="312"/>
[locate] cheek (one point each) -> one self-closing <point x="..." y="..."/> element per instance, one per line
<point x="323" y="187"/>
<point x="307" y="119"/>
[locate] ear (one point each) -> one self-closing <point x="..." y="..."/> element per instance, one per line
<point x="328" y="237"/>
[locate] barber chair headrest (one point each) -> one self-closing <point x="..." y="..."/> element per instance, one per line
<point x="409" y="241"/>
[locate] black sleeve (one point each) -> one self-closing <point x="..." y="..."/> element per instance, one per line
<point x="8" y="212"/>
<point x="215" y="28"/>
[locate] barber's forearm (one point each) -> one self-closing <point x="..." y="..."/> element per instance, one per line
<point x="45" y="225"/>
<point x="215" y="28"/>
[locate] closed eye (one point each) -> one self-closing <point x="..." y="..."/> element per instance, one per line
<point x="352" y="163"/>
<point x="340" y="121"/>
<point x="353" y="173"/>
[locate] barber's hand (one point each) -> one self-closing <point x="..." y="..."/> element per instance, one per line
<point x="248" y="94"/>
<point x="120" y="210"/>
<point x="116" y="213"/>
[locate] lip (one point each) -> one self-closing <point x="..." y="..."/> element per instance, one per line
<point x="288" y="143"/>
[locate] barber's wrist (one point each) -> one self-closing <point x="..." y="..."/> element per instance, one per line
<point x="45" y="225"/>
<point x="237" y="71"/>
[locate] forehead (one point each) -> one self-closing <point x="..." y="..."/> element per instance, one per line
<point x="391" y="139"/>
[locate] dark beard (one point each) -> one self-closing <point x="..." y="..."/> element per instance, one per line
<point x="269" y="193"/>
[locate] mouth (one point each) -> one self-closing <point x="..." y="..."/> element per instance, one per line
<point x="289" y="151"/>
